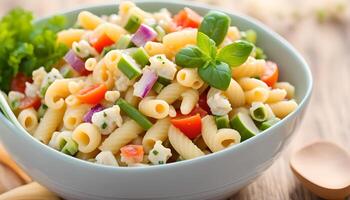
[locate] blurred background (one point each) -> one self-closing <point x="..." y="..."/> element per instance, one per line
<point x="320" y="30"/>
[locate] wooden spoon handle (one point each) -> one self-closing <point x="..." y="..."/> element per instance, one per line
<point x="31" y="191"/>
<point x="6" y="159"/>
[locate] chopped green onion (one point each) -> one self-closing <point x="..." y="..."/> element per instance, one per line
<point x="124" y="42"/>
<point x="104" y="125"/>
<point x="268" y="123"/>
<point x="129" y="67"/>
<point x="155" y="152"/>
<point x="108" y="49"/>
<point x="141" y="57"/>
<point x="163" y="80"/>
<point x="66" y="72"/>
<point x="68" y="146"/>
<point x="222" y="121"/>
<point x="259" y="53"/>
<point x="250" y="36"/>
<point x="161" y="162"/>
<point x="133" y="23"/>
<point x="160" y="32"/>
<point x="134" y="114"/>
<point x="157" y="87"/>
<point x="44" y="88"/>
<point x="258" y="112"/>
<point x="42" y="110"/>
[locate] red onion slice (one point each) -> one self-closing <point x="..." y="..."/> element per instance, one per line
<point x="76" y="63"/>
<point x="92" y="111"/>
<point x="143" y="35"/>
<point x="145" y="84"/>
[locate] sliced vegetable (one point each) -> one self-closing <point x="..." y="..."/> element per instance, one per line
<point x="132" y="153"/>
<point x="270" y="75"/>
<point x="244" y="125"/>
<point x="187" y="18"/>
<point x="18" y="83"/>
<point x="145" y="84"/>
<point x="134" y="114"/>
<point x="222" y="121"/>
<point x="191" y="126"/>
<point x="160" y="33"/>
<point x="157" y="87"/>
<point x="249" y="35"/>
<point x="42" y="110"/>
<point x="268" y="123"/>
<point x="259" y="53"/>
<point x="133" y="23"/>
<point x="68" y="146"/>
<point x="28" y="102"/>
<point x="100" y="42"/>
<point x="129" y="67"/>
<point x="143" y="35"/>
<point x="141" y="57"/>
<point x="215" y="24"/>
<point x="76" y="63"/>
<point x="124" y="42"/>
<point x="258" y="112"/>
<point x="163" y="80"/>
<point x="93" y="94"/>
<point x="88" y="116"/>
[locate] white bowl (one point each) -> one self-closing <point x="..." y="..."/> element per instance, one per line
<point x="214" y="176"/>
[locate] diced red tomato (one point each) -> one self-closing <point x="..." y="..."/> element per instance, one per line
<point x="99" y="43"/>
<point x="93" y="94"/>
<point x="18" y="83"/>
<point x="191" y="126"/>
<point x="270" y="75"/>
<point x="202" y="102"/>
<point x="187" y="18"/>
<point x="132" y="153"/>
<point x="28" y="102"/>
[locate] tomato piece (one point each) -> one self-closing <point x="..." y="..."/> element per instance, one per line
<point x="132" y="153"/>
<point x="191" y="126"/>
<point x="202" y="102"/>
<point x="187" y="18"/>
<point x="270" y="75"/>
<point x="18" y="83"/>
<point x="99" y="43"/>
<point x="28" y="102"/>
<point x="93" y="94"/>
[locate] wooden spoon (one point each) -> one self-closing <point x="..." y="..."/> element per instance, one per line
<point x="323" y="168"/>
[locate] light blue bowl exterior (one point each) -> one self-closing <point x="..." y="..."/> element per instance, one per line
<point x="210" y="177"/>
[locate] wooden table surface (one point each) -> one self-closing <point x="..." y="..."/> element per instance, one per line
<point x="320" y="30"/>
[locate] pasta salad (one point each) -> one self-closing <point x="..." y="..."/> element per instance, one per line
<point x="138" y="89"/>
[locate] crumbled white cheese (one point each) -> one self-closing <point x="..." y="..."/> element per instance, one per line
<point x="218" y="103"/>
<point x="106" y="158"/>
<point x="53" y="75"/>
<point x="31" y="90"/>
<point x="83" y="49"/>
<point x="14" y="99"/>
<point x="163" y="66"/>
<point x="112" y="96"/>
<point x="159" y="154"/>
<point x="38" y="76"/>
<point x="122" y="83"/>
<point x="107" y="120"/>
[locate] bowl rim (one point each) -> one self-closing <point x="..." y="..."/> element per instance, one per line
<point x="251" y="141"/>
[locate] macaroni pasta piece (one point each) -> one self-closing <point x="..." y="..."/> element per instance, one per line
<point x="276" y="95"/>
<point x="183" y="145"/>
<point x="28" y="118"/>
<point x="171" y="93"/>
<point x="256" y="95"/>
<point x="158" y="132"/>
<point x="287" y="87"/>
<point x="251" y="68"/>
<point x="87" y="136"/>
<point x="283" y="108"/>
<point x="189" y="77"/>
<point x="74" y="116"/>
<point x="56" y="93"/>
<point x="189" y="100"/>
<point x="69" y="36"/>
<point x="251" y="83"/>
<point x="154" y="108"/>
<point x="235" y="94"/>
<point x="88" y="20"/>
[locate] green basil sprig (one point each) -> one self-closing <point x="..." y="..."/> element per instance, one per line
<point x="214" y="67"/>
<point x="215" y="24"/>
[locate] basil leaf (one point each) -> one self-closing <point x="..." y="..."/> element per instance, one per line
<point x="190" y="57"/>
<point x="236" y="53"/>
<point x="215" y="25"/>
<point x="206" y="44"/>
<point x="217" y="74"/>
